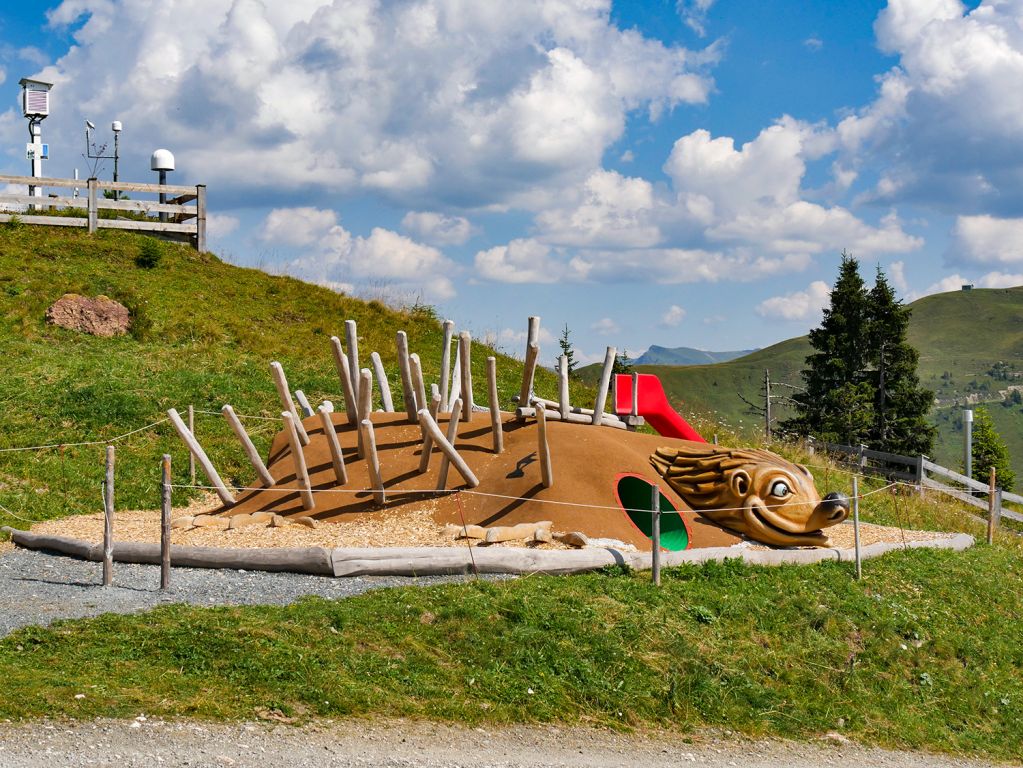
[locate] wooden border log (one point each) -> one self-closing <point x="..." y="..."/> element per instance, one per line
<point x="529" y="373"/>
<point x="344" y="372"/>
<point x="336" y="456"/>
<point x="298" y="457"/>
<point x="250" y="450"/>
<point x="452" y="435"/>
<point x="352" y="342"/>
<point x="465" y="346"/>
<point x="108" y="518"/>
<point x="386" y="401"/>
<point x="408" y="392"/>
<point x="605" y="381"/>
<point x="445" y="365"/>
<point x="365" y="405"/>
<point x="564" y="405"/>
<point x="379" y="494"/>
<point x="200" y="454"/>
<point x="303" y="403"/>
<point x="552" y="414"/>
<point x="165" y="522"/>
<point x="496" y="427"/>
<point x="543" y="450"/>
<point x="418" y="382"/>
<point x="424" y="459"/>
<point x="448" y="449"/>
<point x="281" y="382"/>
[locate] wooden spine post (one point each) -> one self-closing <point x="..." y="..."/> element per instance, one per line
<point x="191" y="456"/>
<point x="165" y="522"/>
<point x="365" y="405"/>
<point x="447" y="448"/>
<point x="655" y="534"/>
<point x="281" y="382"/>
<point x="379" y="494"/>
<point x="250" y="450"/>
<point x="543" y="450"/>
<point x="352" y="341"/>
<point x="386" y="401"/>
<point x="424" y="460"/>
<point x="528" y="373"/>
<point x="532" y="331"/>
<point x="108" y="519"/>
<point x="305" y="488"/>
<point x="464" y="346"/>
<point x="445" y="365"/>
<point x="303" y="403"/>
<point x="992" y="522"/>
<point x="456" y="377"/>
<point x="495" y="406"/>
<point x="344" y="372"/>
<point x="336" y="456"/>
<point x="408" y="392"/>
<point x="204" y="461"/>
<point x="605" y="381"/>
<point x="564" y="405"/>
<point x="452" y="436"/>
<point x="418" y="383"/>
<point x="634" y="408"/>
<point x="856" y="525"/>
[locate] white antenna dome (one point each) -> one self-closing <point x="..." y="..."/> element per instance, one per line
<point x="162" y="160"/>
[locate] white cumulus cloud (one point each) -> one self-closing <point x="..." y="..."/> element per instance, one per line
<point x="800" y="305"/>
<point x="437" y="228"/>
<point x="673" y="317"/>
<point x="605" y="326"/>
<point x="988" y="240"/>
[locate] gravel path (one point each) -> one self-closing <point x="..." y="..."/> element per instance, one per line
<point x="397" y="744"/>
<point x="38" y="588"/>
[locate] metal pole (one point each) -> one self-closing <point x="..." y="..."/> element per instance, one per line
<point x="163" y="195"/>
<point x="856" y="525"/>
<point x="968" y="446"/>
<point x="767" y="404"/>
<point x="108" y="520"/>
<point x="165" y="523"/>
<point x="117" y="154"/>
<point x="655" y="534"/>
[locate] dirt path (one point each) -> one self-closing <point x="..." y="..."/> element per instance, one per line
<point x="354" y="743"/>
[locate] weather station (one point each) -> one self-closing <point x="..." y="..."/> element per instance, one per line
<point x="93" y="152"/>
<point x="162" y="161"/>
<point x="35" y="105"/>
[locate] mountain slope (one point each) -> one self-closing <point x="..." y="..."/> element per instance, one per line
<point x="686" y="356"/>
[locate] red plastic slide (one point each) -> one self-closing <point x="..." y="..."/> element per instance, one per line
<point x="653" y="406"/>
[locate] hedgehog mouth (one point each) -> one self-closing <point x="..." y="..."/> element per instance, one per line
<point x="766" y="519"/>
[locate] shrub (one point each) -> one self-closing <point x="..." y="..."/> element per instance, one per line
<point x="150" y="254"/>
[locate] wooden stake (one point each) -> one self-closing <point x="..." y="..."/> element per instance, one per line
<point x="336" y="456"/>
<point x="298" y="457"/>
<point x="655" y="534"/>
<point x="528" y="374"/>
<point x="992" y="522"/>
<point x="456" y="377"/>
<point x="496" y="427"/>
<point x="408" y="392"/>
<point x="365" y="405"/>
<point x="634" y="409"/>
<point x="108" y="519"/>
<point x="204" y="461"/>
<point x="386" y="402"/>
<point x="424" y="459"/>
<point x="447" y="448"/>
<point x="533" y="331"/>
<point x="563" y="403"/>
<point x="250" y="450"/>
<point x="542" y="448"/>
<point x="352" y="341"/>
<point x="165" y="522"/>
<point x="464" y="346"/>
<point x="417" y="379"/>
<point x="445" y="364"/>
<point x="303" y="403"/>
<point x="281" y="382"/>
<point x="344" y="372"/>
<point x="379" y="494"/>
<point x="191" y="456"/>
<point x="452" y="436"/>
<point x="605" y="381"/>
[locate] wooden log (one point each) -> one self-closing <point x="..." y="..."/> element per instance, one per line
<point x="344" y="372"/>
<point x="634" y="406"/>
<point x="386" y="401"/>
<point x="528" y="373"/>
<point x="417" y="379"/>
<point x="453" y="531"/>
<point x="546" y="476"/>
<point x="464" y="347"/>
<point x="445" y="365"/>
<point x="424" y="459"/>
<point x="365" y="406"/>
<point x="379" y="494"/>
<point x="496" y="426"/>
<point x="250" y="450"/>
<point x="520" y="532"/>
<point x="165" y="522"/>
<point x="298" y="457"/>
<point x="575" y="539"/>
<point x="303" y="403"/>
<point x="200" y="454"/>
<point x="605" y="381"/>
<point x="352" y="341"/>
<point x="445" y="462"/>
<point x="108" y="519"/>
<point x="281" y="383"/>
<point x="408" y="392"/>
<point x="564" y="406"/>
<point x="607" y="420"/>
<point x="191" y="456"/>
<point x="448" y="449"/>
<point x="336" y="456"/>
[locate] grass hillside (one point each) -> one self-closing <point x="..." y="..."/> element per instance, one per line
<point x="204" y="333"/>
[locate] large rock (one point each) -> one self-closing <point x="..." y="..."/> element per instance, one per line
<point x="101" y="316"/>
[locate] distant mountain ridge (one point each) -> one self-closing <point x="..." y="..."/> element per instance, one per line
<point x="686" y="356"/>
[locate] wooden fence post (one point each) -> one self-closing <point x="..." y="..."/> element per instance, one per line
<point x="92" y="212"/>
<point x="992" y="506"/>
<point x="921" y="473"/>
<point x="165" y="522"/>
<point x="200" y="218"/>
<point x="108" y="519"/>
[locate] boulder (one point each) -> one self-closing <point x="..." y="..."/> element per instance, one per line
<point x="100" y="316"/>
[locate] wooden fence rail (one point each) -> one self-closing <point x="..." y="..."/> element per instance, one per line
<point x="177" y="218"/>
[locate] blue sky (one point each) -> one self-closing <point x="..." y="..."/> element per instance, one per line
<point x="675" y="173"/>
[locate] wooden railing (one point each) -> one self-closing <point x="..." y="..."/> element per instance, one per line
<point x="182" y="217"/>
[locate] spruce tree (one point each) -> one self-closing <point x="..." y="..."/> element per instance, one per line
<point x="622" y="363"/>
<point x="990" y="451"/>
<point x="900" y="404"/>
<point x="566" y="349"/>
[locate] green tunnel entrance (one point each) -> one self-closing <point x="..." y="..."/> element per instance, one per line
<point x="634" y="496"/>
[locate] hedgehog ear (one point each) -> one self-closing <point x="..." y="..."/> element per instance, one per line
<point x="739" y="481"/>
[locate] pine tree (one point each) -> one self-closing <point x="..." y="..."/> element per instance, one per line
<point x="989" y="450"/>
<point x="622" y="363"/>
<point x="566" y="349"/>
<point x="900" y="404"/>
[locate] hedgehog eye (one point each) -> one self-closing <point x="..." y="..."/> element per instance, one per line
<point x="780" y="489"/>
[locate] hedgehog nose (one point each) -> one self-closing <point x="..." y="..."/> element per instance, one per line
<point x="835" y="506"/>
